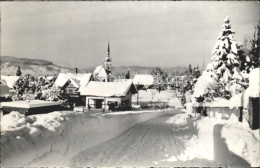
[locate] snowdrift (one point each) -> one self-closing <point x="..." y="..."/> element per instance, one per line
<point x="52" y="139"/>
<point x="207" y="144"/>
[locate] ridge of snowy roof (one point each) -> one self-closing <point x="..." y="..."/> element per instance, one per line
<point x="108" y="89"/>
<point x="98" y="69"/>
<point x="63" y="78"/>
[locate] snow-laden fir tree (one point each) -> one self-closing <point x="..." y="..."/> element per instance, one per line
<point x="255" y="45"/>
<point x="225" y="61"/>
<point x="225" y="71"/>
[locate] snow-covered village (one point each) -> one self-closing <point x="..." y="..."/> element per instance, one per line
<point x="130" y="84"/>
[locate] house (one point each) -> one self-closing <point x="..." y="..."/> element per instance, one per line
<point x="143" y="81"/>
<point x="72" y="85"/>
<point x="109" y="95"/>
<point x="103" y="72"/>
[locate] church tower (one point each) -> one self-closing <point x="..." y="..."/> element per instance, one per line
<point x="108" y="62"/>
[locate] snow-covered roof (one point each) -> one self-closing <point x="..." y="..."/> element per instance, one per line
<point x="84" y="82"/>
<point x="109" y="89"/>
<point x="100" y="72"/>
<point x="97" y="69"/>
<point x="77" y="80"/>
<point x="50" y="77"/>
<point x="30" y="104"/>
<point x="10" y="80"/>
<point x="145" y="80"/>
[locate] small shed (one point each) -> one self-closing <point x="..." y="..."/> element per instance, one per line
<point x="109" y="95"/>
<point x="31" y="107"/>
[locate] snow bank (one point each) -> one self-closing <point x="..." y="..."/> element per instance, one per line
<point x="243" y="142"/>
<point x="152" y="95"/>
<point x="53" y="139"/>
<point x="202" y="145"/>
<point x="137" y="112"/>
<point x="254" y="83"/>
<point x="239" y="138"/>
<point x="179" y="119"/>
<point x="239" y="100"/>
<point x="12" y="121"/>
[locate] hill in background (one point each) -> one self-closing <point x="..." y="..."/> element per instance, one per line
<point x="39" y="67"/>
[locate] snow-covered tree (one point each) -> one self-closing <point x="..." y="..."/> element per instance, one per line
<point x="160" y="78"/>
<point x="196" y="72"/>
<point x="18" y="72"/>
<point x="29" y="87"/>
<point x="224" y="69"/>
<point x="225" y="61"/>
<point x="190" y="69"/>
<point x="255" y="42"/>
<point x="127" y="75"/>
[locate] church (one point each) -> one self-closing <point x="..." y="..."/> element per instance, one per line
<point x="103" y="93"/>
<point x="103" y="72"/>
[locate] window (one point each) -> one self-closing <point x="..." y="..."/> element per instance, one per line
<point x="113" y="103"/>
<point x="70" y="91"/>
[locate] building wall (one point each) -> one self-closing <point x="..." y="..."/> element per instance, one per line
<point x="91" y="101"/>
<point x="128" y="97"/>
<point x="119" y="100"/>
<point x="70" y="89"/>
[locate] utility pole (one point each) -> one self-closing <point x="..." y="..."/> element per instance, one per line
<point x="137" y="93"/>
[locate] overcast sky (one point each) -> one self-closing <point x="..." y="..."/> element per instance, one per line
<point x="76" y="34"/>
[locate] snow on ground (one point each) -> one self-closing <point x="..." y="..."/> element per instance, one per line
<point x="55" y="137"/>
<point x="52" y="139"/>
<point x="137" y="112"/>
<point x="152" y="95"/>
<point x="239" y="100"/>
<point x="242" y="99"/>
<point x="178" y="119"/>
<point x="243" y="142"/>
<point x="239" y="138"/>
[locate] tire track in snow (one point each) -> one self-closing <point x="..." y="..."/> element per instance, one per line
<point x="141" y="144"/>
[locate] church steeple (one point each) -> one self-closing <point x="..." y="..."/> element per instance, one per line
<point x="108" y="51"/>
<point x="108" y="62"/>
<point x="108" y="59"/>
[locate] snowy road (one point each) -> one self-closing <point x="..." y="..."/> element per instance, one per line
<point x="150" y="143"/>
